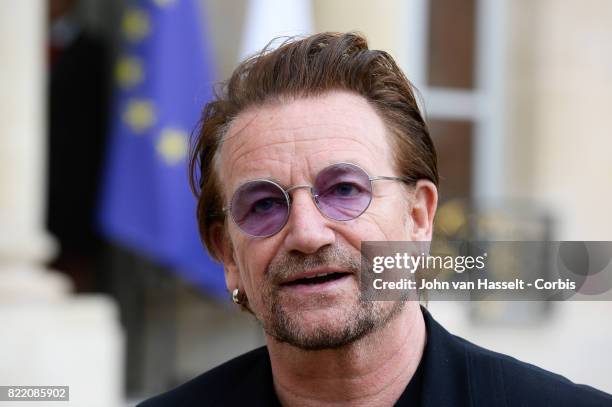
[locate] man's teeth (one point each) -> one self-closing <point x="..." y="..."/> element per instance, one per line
<point x="320" y="275"/>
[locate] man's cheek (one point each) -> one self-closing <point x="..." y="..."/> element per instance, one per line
<point x="252" y="275"/>
<point x="372" y="227"/>
<point x="392" y="228"/>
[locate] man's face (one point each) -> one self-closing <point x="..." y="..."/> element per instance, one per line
<point x="290" y="143"/>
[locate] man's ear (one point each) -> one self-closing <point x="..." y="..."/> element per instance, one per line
<point x="424" y="204"/>
<point x="224" y="251"/>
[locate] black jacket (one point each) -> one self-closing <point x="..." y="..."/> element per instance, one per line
<point x="455" y="373"/>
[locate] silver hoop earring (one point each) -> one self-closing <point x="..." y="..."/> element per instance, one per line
<point x="235" y="294"/>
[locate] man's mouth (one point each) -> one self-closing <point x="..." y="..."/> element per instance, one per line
<point x="319" y="278"/>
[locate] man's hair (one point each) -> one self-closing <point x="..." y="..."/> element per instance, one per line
<point x="305" y="68"/>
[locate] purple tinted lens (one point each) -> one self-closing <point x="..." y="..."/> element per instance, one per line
<point x="343" y="191"/>
<point x="259" y="208"/>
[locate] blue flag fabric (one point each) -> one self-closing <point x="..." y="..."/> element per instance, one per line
<point x="164" y="78"/>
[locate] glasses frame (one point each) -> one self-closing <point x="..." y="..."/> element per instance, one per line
<point x="313" y="196"/>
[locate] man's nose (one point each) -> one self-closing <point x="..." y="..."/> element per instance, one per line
<point x="307" y="229"/>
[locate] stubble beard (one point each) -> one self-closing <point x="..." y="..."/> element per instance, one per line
<point x="352" y="320"/>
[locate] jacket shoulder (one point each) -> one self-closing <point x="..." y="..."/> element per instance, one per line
<point x="523" y="384"/>
<point x="214" y="386"/>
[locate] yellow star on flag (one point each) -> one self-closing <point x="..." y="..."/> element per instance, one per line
<point x="139" y="115"/>
<point x="135" y="25"/>
<point x="129" y="71"/>
<point x="172" y="145"/>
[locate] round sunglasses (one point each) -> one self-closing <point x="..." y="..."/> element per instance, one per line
<point x="342" y="191"/>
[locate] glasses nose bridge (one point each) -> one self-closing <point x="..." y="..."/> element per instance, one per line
<point x="294" y="187"/>
<point x="310" y="188"/>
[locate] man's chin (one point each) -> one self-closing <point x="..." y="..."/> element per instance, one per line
<point x="331" y="327"/>
<point x="328" y="319"/>
<point x="322" y="337"/>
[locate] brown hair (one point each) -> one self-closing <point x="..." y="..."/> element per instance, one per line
<point x="304" y="68"/>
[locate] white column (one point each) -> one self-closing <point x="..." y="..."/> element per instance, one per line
<point x="48" y="335"/>
<point x="24" y="244"/>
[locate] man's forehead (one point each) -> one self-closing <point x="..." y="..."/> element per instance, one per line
<point x="311" y="132"/>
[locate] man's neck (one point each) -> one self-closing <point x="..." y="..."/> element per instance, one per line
<point x="372" y="371"/>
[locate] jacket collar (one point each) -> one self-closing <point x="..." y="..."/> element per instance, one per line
<point x="446" y="379"/>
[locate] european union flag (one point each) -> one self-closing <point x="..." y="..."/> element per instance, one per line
<point x="164" y="78"/>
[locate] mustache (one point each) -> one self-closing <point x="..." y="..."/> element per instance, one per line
<point x="288" y="264"/>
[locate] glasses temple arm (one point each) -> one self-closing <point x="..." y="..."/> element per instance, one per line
<point x="388" y="178"/>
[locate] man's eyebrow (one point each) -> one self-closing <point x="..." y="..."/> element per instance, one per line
<point x="275" y="180"/>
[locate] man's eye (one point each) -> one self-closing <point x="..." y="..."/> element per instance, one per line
<point x="345" y="189"/>
<point x="265" y="205"/>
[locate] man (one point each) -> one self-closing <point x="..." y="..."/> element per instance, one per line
<point x="309" y="150"/>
